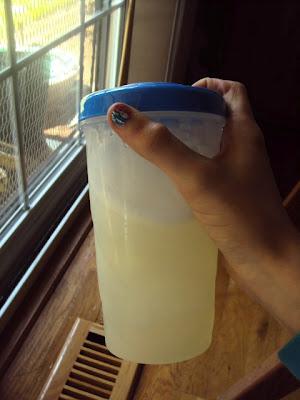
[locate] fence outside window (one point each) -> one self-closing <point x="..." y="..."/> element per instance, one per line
<point x="48" y="62"/>
<point x="52" y="53"/>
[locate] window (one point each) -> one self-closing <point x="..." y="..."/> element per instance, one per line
<point x="52" y="53"/>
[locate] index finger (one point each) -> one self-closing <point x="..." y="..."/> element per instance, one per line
<point x="234" y="94"/>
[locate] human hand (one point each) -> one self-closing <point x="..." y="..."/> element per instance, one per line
<point x="233" y="195"/>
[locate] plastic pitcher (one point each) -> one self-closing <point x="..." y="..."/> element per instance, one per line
<point x="156" y="264"/>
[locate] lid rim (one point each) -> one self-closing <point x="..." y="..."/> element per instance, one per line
<point x="154" y="96"/>
<point x="159" y="113"/>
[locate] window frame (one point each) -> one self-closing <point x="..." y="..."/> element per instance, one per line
<point x="37" y="223"/>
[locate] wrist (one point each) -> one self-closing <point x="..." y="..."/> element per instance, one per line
<point x="273" y="278"/>
<point x="280" y="289"/>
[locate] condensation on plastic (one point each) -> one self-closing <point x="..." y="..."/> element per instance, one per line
<point x="120" y="174"/>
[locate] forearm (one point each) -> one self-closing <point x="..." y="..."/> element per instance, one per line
<point x="275" y="281"/>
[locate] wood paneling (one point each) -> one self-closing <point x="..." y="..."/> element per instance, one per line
<point x="54" y="267"/>
<point x="244" y="336"/>
<point x="270" y="381"/>
<point x="76" y="296"/>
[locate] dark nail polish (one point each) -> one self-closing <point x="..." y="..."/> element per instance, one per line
<point x="119" y="117"/>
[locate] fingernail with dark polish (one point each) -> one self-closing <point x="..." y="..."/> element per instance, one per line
<point x="119" y="117"/>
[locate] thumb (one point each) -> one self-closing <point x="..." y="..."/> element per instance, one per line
<point x="154" y="142"/>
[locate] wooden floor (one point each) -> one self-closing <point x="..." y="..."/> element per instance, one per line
<point x="244" y="336"/>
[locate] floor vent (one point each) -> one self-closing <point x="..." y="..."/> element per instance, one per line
<point x="86" y="370"/>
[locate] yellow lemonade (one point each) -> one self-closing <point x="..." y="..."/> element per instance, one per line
<point x="157" y="283"/>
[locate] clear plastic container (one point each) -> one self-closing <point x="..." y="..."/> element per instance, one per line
<point x="156" y="265"/>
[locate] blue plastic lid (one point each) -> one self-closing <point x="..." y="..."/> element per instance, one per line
<point x="154" y="96"/>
